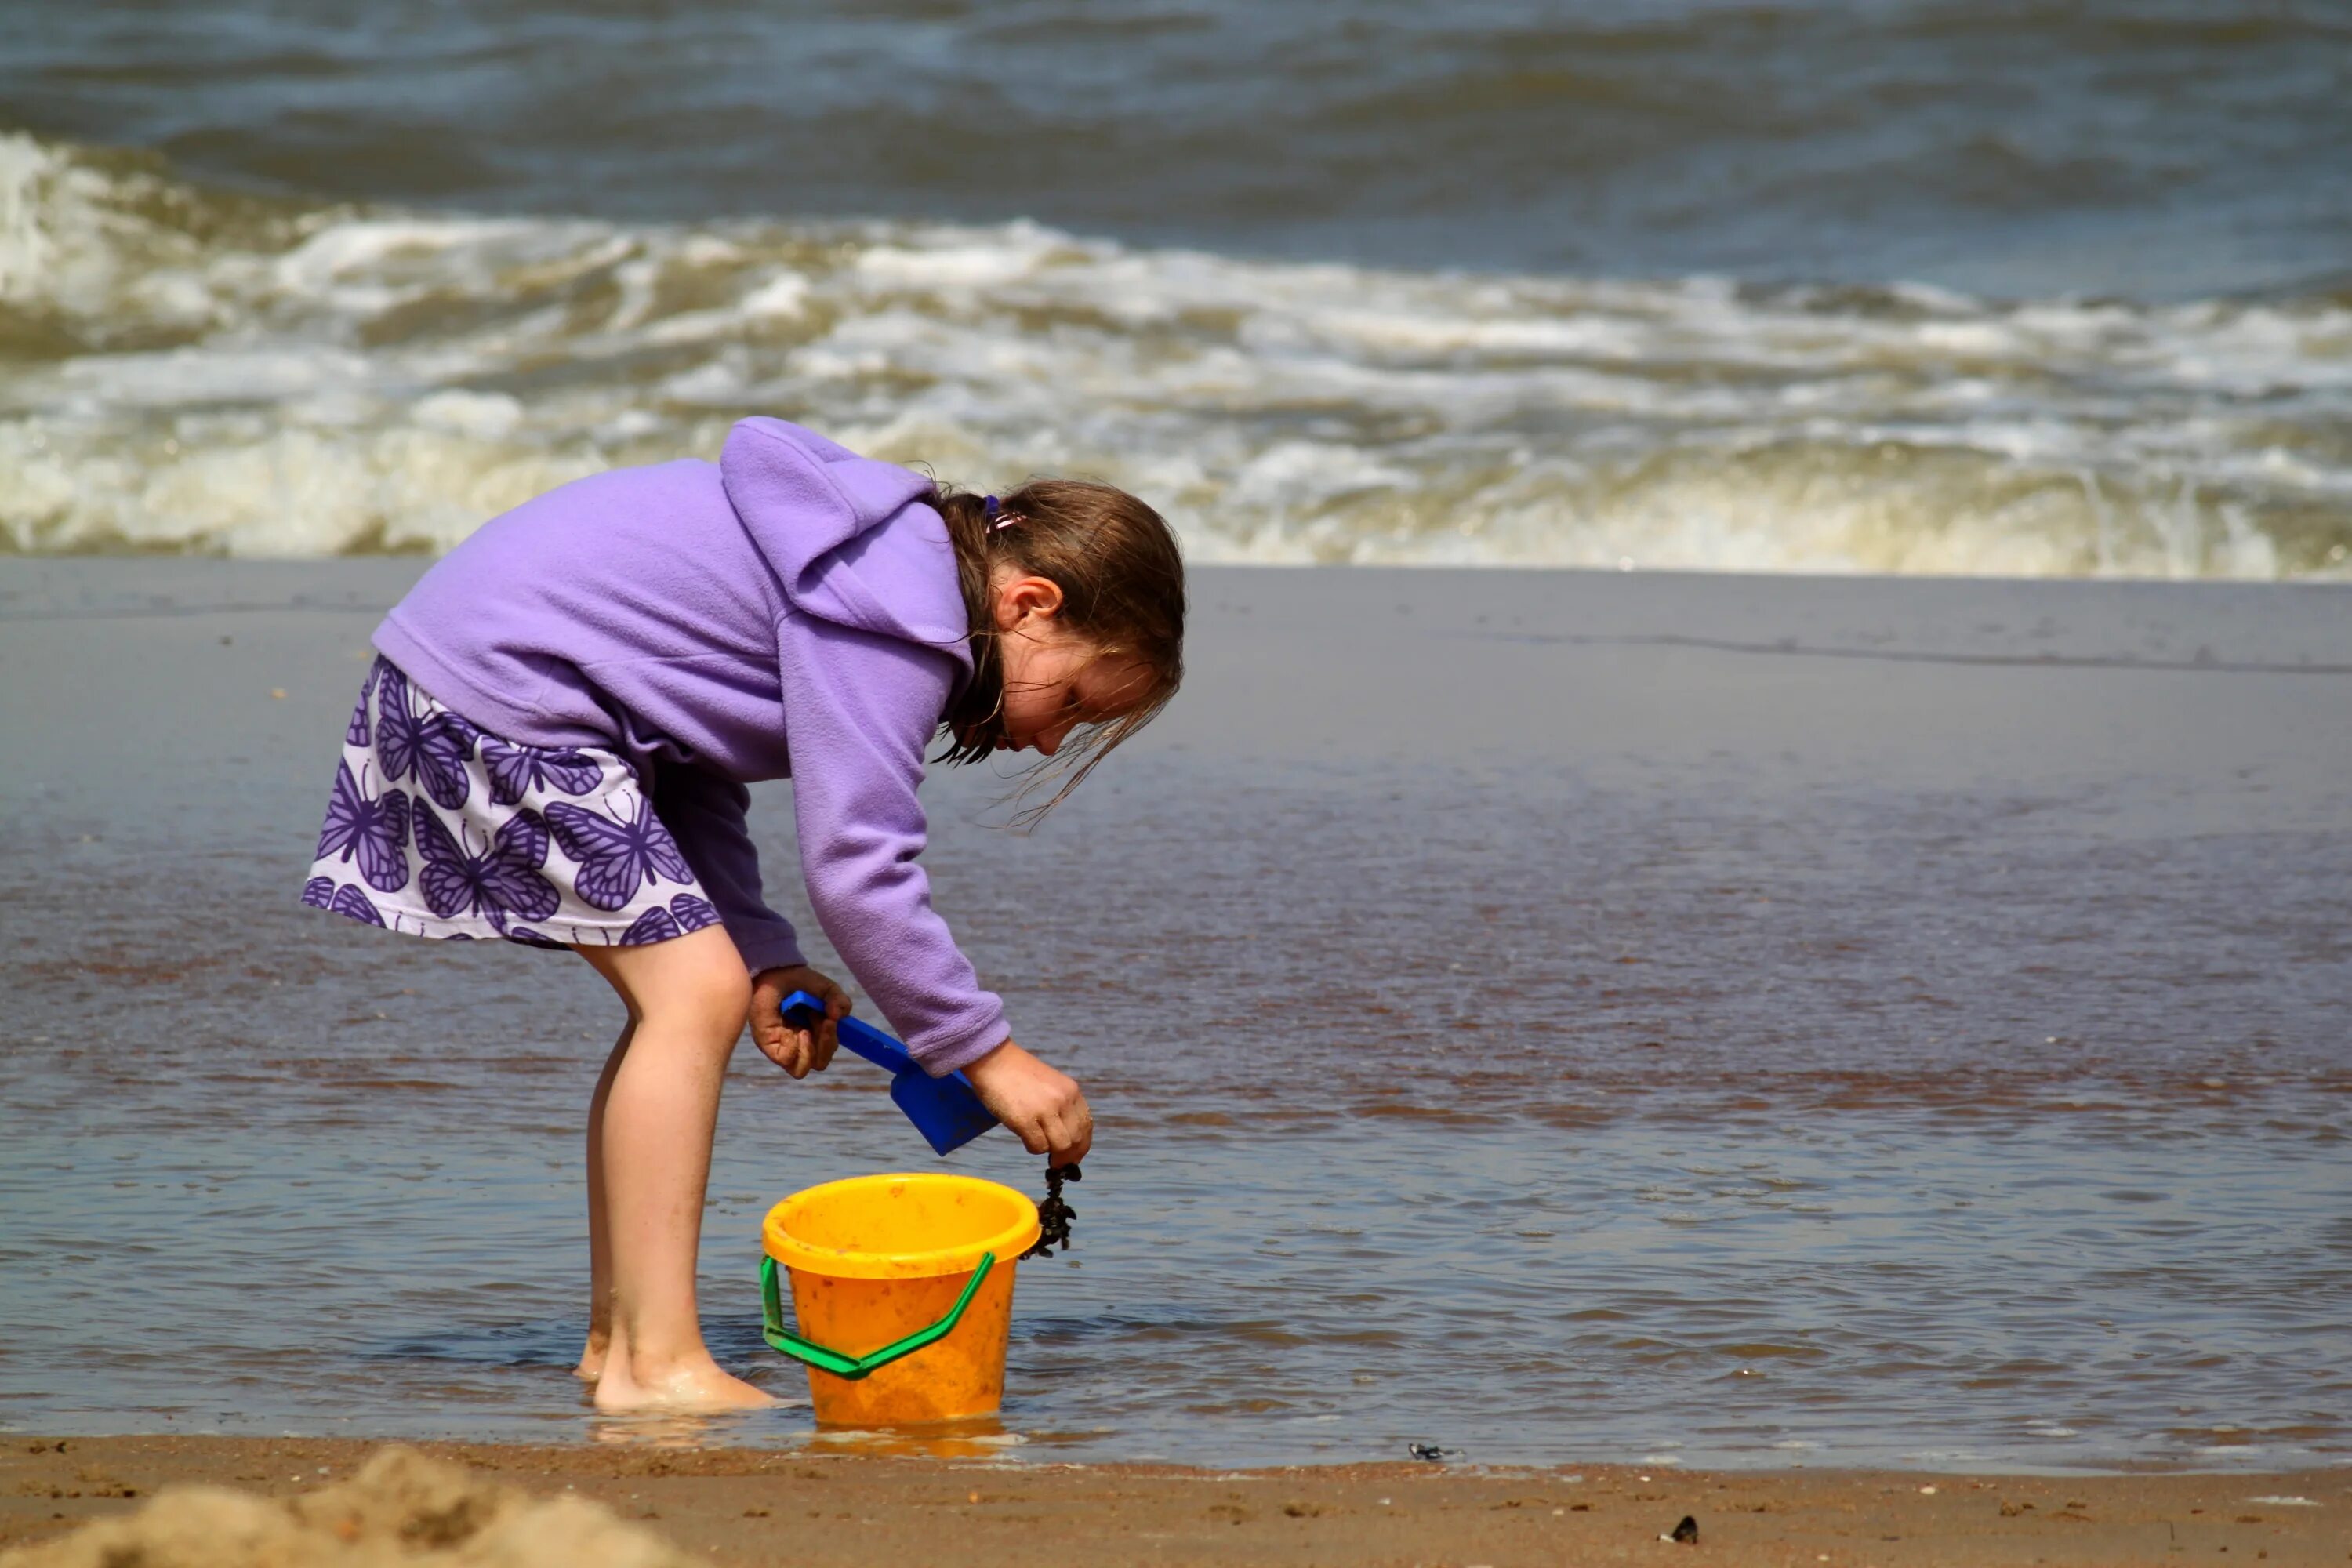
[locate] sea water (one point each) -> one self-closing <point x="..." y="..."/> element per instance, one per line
<point x="1925" y="287"/>
<point x="1903" y="1024"/>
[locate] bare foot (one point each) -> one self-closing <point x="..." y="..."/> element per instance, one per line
<point x="592" y="1360"/>
<point x="692" y="1388"/>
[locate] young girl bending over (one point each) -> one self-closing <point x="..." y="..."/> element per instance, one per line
<point x="552" y="748"/>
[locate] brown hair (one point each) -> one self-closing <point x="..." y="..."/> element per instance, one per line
<point x="1122" y="581"/>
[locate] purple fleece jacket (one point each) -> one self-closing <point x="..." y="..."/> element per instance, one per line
<point x="793" y="609"/>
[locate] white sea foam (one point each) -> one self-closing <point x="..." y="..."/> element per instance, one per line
<point x="187" y="370"/>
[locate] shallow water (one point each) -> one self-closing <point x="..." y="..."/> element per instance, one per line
<point x="1861" y="1048"/>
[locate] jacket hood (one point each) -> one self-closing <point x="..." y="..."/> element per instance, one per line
<point x="852" y="539"/>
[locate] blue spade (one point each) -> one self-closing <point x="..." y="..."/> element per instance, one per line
<point x="946" y="1111"/>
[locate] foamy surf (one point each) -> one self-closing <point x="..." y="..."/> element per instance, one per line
<point x="192" y="371"/>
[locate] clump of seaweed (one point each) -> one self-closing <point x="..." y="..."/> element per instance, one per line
<point x="1055" y="1215"/>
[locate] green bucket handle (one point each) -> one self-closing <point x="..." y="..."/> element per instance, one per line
<point x="853" y="1367"/>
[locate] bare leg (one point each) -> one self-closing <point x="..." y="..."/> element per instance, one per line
<point x="600" y="1235"/>
<point x="688" y="997"/>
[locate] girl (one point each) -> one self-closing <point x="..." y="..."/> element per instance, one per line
<point x="552" y="748"/>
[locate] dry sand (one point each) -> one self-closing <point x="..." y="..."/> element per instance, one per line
<point x="163" y="1503"/>
<point x="400" y="1508"/>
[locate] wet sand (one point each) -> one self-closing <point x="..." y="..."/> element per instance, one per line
<point x="732" y="1506"/>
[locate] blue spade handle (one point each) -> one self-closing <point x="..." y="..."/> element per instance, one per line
<point x="857" y="1034"/>
<point x="946" y="1111"/>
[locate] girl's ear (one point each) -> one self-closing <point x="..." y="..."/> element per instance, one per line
<point x="1020" y="598"/>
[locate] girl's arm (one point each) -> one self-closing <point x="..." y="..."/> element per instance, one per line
<point x="705" y="813"/>
<point x="859" y="709"/>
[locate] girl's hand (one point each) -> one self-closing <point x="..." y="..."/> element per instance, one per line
<point x="1045" y="1108"/>
<point x="798" y="1052"/>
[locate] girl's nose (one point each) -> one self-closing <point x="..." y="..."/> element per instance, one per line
<point x="1051" y="740"/>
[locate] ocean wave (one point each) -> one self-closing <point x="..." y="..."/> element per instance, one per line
<point x="186" y="369"/>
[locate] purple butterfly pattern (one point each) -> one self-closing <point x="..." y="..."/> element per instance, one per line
<point x="693" y="913"/>
<point x="355" y="733"/>
<point x="617" y="858"/>
<point x="321" y="893"/>
<point x="434" y="748"/>
<point x="656" y="924"/>
<point x="686" y="914"/>
<point x="374" y="828"/>
<point x="350" y="900"/>
<point x="515" y="771"/>
<point x="460" y="789"/>
<point x="500" y="883"/>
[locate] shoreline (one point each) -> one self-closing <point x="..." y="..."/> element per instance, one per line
<point x="729" y="1505"/>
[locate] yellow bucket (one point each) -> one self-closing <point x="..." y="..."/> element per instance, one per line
<point x="903" y="1289"/>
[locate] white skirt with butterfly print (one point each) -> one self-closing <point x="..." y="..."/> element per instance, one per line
<point x="439" y="829"/>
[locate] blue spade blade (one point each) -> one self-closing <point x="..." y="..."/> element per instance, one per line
<point x="946" y="1111"/>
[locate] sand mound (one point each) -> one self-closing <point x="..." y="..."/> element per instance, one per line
<point x="402" y="1511"/>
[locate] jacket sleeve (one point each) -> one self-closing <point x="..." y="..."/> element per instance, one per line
<point x="705" y="813"/>
<point x="859" y="708"/>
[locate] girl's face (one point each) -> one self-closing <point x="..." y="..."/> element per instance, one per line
<point x="1055" y="679"/>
